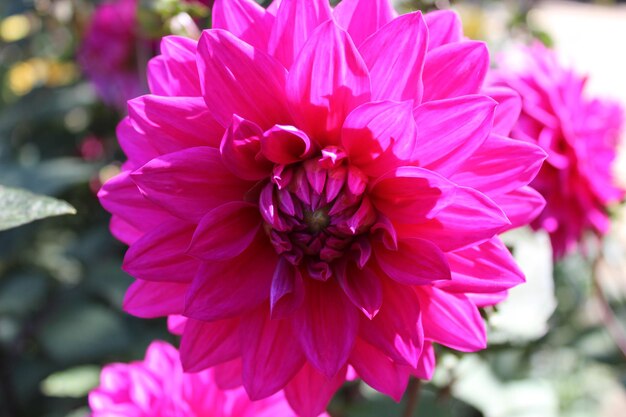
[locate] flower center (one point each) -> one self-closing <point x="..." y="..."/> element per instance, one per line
<point x="316" y="212"/>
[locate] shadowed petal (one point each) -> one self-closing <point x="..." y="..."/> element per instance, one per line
<point x="206" y="344"/>
<point x="310" y="381"/>
<point x="287" y="292"/>
<point x="155" y="299"/>
<point x="362" y="286"/>
<point x="285" y="145"/>
<point x="240" y="150"/>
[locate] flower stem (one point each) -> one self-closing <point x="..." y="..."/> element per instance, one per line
<point x="412" y="397"/>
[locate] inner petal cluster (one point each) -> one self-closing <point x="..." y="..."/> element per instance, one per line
<point x="317" y="211"/>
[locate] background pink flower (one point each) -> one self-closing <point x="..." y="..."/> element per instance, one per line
<point x="315" y="189"/>
<point x="109" y="53"/>
<point x="579" y="134"/>
<point x="157" y="387"/>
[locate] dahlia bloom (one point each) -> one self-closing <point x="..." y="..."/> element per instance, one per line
<point x="316" y="190"/>
<point x="108" y="52"/>
<point x="157" y="387"/>
<point x="579" y="134"/>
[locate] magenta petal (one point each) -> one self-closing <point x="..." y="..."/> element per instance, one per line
<point x="395" y="58"/>
<point x="226" y="231"/>
<point x="508" y="110"/>
<point x="240" y="149"/>
<point x="245" y="19"/>
<point x="397" y="329"/>
<point x="160" y="254"/>
<point x="450" y="131"/>
<point x="521" y="206"/>
<point x="174" y="72"/>
<point x="285" y="145"/>
<point x="326" y="324"/>
<point x="135" y="144"/>
<point x="416" y="262"/>
<point x="491" y="171"/>
<point x="486" y="268"/>
<point x="176" y="324"/>
<point x="380" y="136"/>
<point x="239" y="79"/>
<point x="189" y="183"/>
<point x="287" y="292"/>
<point x="361" y="18"/>
<point x="271" y="354"/>
<point x="206" y="344"/>
<point x="444" y="26"/>
<point x="426" y="365"/>
<point x="155" y="299"/>
<point x="362" y="286"/>
<point x="455" y="70"/>
<point x="225" y="289"/>
<point x="124" y="231"/>
<point x="174" y="123"/>
<point x="310" y="391"/>
<point x="452" y="320"/>
<point x="296" y="20"/>
<point x="378" y="371"/>
<point x="326" y="82"/>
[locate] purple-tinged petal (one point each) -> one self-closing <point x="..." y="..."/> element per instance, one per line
<point x="189" y="183"/>
<point x="228" y="374"/>
<point x="271" y="354"/>
<point x="361" y="18"/>
<point x="450" y="131"/>
<point x="287" y="291"/>
<point x="326" y="82"/>
<point x="454" y="70"/>
<point x="240" y="150"/>
<point x="245" y="19"/>
<point x="452" y="320"/>
<point x="299" y="390"/>
<point x="240" y="79"/>
<point x="206" y="344"/>
<point x="225" y="232"/>
<point x="155" y="299"/>
<point x="326" y="325"/>
<point x="285" y="145"/>
<point x="296" y="20"/>
<point x="362" y="286"/>
<point x="395" y="58"/>
<point x="124" y="231"/>
<point x="444" y="26"/>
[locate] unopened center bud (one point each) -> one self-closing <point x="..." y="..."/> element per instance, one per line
<point x="317" y="220"/>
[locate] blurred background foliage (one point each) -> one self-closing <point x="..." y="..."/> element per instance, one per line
<point x="553" y="348"/>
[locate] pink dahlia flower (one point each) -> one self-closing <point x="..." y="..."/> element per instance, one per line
<point x="580" y="136"/>
<point x="315" y="189"/>
<point x="108" y="53"/>
<point x="157" y="387"/>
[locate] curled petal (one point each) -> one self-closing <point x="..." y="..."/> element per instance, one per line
<point x="287" y="292"/>
<point x="285" y="144"/>
<point x="240" y="150"/>
<point x="362" y="286"/>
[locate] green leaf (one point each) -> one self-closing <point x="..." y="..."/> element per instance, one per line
<point x="18" y="207"/>
<point x="74" y="382"/>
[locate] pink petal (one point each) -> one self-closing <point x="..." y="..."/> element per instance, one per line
<point x="224" y="289"/>
<point x="160" y="254"/>
<point x="155" y="299"/>
<point x="240" y="149"/>
<point x="450" y="131"/>
<point x="287" y="292"/>
<point x="245" y="19"/>
<point x="174" y="123"/>
<point x="452" y="320"/>
<point x="486" y="268"/>
<point x="326" y="326"/>
<point x="285" y="145"/>
<point x="361" y="18"/>
<point x="228" y="374"/>
<point x="240" y="79"/>
<point x="296" y="20"/>
<point x="380" y="136"/>
<point x="326" y="82"/>
<point x="397" y="329"/>
<point x="135" y="144"/>
<point x="362" y="286"/>
<point x="508" y="110"/>
<point x="395" y="57"/>
<point x="189" y="183"/>
<point x="491" y="170"/>
<point x="378" y="371"/>
<point x="411" y="194"/>
<point x="226" y="231"/>
<point x="271" y="354"/>
<point x="444" y="26"/>
<point x="416" y="262"/>
<point x="487" y="300"/>
<point x="206" y="344"/>
<point x="454" y="70"/>
<point x="470" y="218"/>
<point x="521" y="206"/>
<point x="123" y="231"/>
<point x="174" y="72"/>
<point x="310" y="391"/>
<point x="426" y="365"/>
<point x="176" y="324"/>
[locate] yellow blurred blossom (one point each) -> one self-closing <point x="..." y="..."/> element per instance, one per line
<point x="14" y="28"/>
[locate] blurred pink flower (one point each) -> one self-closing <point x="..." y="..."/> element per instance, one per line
<point x="108" y="53"/>
<point x="157" y="387"/>
<point x="316" y="193"/>
<point x="579" y="134"/>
